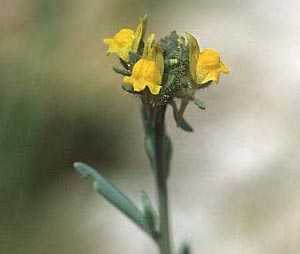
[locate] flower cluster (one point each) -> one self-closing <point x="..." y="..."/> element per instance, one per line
<point x="173" y="67"/>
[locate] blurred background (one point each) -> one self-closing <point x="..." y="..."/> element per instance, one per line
<point x="235" y="181"/>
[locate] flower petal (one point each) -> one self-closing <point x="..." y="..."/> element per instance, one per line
<point x="211" y="76"/>
<point x="154" y="88"/>
<point x="209" y="67"/>
<point x="107" y="41"/>
<point x="139" y="85"/>
<point x="145" y="73"/>
<point x="224" y="68"/>
<point x="121" y="44"/>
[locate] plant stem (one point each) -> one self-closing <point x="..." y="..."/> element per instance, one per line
<point x="161" y="182"/>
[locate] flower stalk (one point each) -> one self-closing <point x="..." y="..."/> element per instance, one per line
<point x="161" y="182"/>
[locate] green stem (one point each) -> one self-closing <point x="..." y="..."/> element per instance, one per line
<point x="161" y="182"/>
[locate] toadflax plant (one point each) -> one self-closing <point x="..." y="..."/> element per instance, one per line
<point x="157" y="72"/>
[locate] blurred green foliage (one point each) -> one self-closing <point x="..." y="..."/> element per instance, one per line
<point x="51" y="108"/>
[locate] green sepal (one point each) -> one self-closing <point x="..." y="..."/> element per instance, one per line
<point x="159" y="59"/>
<point x="170" y="43"/>
<point x="133" y="57"/>
<point x="194" y="52"/>
<point x="205" y="85"/>
<point x="181" y="122"/>
<point x="113" y="195"/>
<point x="148" y="51"/>
<point x="140" y="32"/>
<point x="198" y="102"/>
<point x="122" y="72"/>
<point x="149" y="213"/>
<point x="124" y="63"/>
<point x="129" y="89"/>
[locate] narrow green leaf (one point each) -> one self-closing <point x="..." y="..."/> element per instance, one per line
<point x="149" y="213"/>
<point x="181" y="122"/>
<point x="149" y="135"/>
<point x="150" y="150"/>
<point x="148" y="126"/>
<point x="167" y="155"/>
<point x="113" y="195"/>
<point x="198" y="102"/>
<point x="150" y="144"/>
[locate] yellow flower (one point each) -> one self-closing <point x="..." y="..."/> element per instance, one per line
<point x="209" y="67"/>
<point x="121" y="44"/>
<point x="149" y="69"/>
<point x="205" y="65"/>
<point x="145" y="73"/>
<point x="127" y="40"/>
